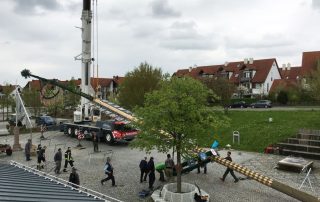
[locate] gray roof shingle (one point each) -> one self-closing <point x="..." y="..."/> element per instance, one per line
<point x="18" y="184"/>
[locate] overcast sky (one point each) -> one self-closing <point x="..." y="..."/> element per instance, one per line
<point x="40" y="35"/>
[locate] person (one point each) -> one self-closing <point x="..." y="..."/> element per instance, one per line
<point x="57" y="159"/>
<point x="67" y="159"/>
<point x="160" y="168"/>
<point x="95" y="141"/>
<point x="152" y="176"/>
<point x="204" y="166"/>
<point x="143" y="169"/>
<point x="74" y="178"/>
<point x="41" y="157"/>
<point x="27" y="150"/>
<point x="38" y="149"/>
<point x="108" y="170"/>
<point x="169" y="167"/>
<point x="229" y="170"/>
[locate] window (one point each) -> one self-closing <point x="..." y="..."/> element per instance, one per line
<point x="236" y="75"/>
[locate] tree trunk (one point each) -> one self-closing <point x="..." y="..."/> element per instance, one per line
<point x="178" y="167"/>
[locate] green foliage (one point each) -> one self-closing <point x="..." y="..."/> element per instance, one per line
<point x="137" y="83"/>
<point x="176" y="116"/>
<point x="31" y="98"/>
<point x="257" y="133"/>
<point x="56" y="108"/>
<point x="222" y="88"/>
<point x="283" y="97"/>
<point x="71" y="100"/>
<point x="314" y="83"/>
<point x="179" y="108"/>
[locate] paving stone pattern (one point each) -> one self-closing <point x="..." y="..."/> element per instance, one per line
<point x="126" y="170"/>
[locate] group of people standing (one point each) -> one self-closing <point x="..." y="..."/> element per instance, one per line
<point x="147" y="167"/>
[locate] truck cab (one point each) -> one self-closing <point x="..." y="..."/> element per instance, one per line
<point x="116" y="131"/>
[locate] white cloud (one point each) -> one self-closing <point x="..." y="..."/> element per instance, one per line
<point x="40" y="34"/>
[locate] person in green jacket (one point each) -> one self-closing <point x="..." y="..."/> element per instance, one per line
<point x="160" y="168"/>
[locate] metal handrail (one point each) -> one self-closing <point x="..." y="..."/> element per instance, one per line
<point x="81" y="189"/>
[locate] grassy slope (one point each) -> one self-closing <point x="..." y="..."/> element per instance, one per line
<point x="257" y="133"/>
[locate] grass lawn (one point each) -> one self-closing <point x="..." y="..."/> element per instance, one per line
<point x="256" y="132"/>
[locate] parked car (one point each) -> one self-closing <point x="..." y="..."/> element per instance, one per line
<point x="240" y="104"/>
<point x="262" y="104"/>
<point x="45" y="120"/>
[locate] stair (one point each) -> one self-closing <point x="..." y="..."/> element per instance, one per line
<point x="305" y="144"/>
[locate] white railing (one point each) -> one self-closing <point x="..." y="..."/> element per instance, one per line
<point x="80" y="189"/>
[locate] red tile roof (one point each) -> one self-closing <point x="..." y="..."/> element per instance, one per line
<point x="309" y="61"/>
<point x="282" y="84"/>
<point x="262" y="68"/>
<point x="293" y="73"/>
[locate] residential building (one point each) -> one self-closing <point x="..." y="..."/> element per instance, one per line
<point x="252" y="77"/>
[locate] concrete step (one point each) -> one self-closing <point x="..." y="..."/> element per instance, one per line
<point x="310" y="155"/>
<point x="308" y="136"/>
<point x="300" y="147"/>
<point x="303" y="141"/>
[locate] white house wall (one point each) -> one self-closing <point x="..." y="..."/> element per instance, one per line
<point x="274" y="74"/>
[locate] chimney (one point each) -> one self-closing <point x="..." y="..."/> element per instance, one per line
<point x="226" y="63"/>
<point x="283" y="66"/>
<point x="289" y="66"/>
<point x="245" y="61"/>
<point x="190" y="69"/>
<point x="250" y="60"/>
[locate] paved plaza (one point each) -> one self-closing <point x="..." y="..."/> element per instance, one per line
<point x="126" y="170"/>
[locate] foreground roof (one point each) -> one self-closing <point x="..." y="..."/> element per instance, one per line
<point x="18" y="184"/>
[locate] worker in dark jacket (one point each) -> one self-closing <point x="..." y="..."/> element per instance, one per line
<point x="152" y="176"/>
<point x="74" y="178"/>
<point x="27" y="150"/>
<point x="143" y="169"/>
<point x="108" y="170"/>
<point x="67" y="159"/>
<point x="95" y="140"/>
<point x="41" y="157"/>
<point x="57" y="159"/>
<point x="229" y="170"/>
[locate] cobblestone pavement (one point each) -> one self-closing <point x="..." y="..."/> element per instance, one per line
<point x="126" y="160"/>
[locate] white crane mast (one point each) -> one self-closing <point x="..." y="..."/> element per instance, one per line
<point x="86" y="18"/>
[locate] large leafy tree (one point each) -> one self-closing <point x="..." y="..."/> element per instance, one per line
<point x="137" y="83"/>
<point x="176" y="116"/>
<point x="313" y="82"/>
<point x="31" y="98"/>
<point x="221" y="87"/>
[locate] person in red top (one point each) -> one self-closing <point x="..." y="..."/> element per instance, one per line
<point x="229" y="170"/>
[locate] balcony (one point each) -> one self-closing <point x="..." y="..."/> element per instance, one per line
<point x="245" y="79"/>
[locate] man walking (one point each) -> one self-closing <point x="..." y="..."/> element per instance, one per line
<point x="57" y="160"/>
<point x="143" y="169"/>
<point x="229" y="170"/>
<point x="95" y="140"/>
<point x="169" y="167"/>
<point x="67" y="159"/>
<point x="27" y="150"/>
<point x="152" y="176"/>
<point x="108" y="170"/>
<point x="41" y="157"/>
